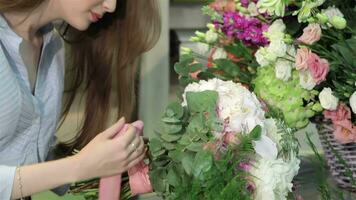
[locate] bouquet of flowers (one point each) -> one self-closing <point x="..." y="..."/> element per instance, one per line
<point x="297" y="56"/>
<point x="218" y="144"/>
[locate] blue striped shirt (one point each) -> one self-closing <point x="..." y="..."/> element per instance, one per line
<point x="27" y="121"/>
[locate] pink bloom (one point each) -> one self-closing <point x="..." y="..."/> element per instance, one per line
<point x="342" y="113"/>
<point x="311" y="34"/>
<point x="318" y="67"/>
<point x="344" y="131"/>
<point x="223" y="5"/>
<point x="231" y="138"/>
<point x="301" y="58"/>
<point x="245" y="166"/>
<point x="139" y="179"/>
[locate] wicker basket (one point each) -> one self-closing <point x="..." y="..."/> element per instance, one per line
<point x="346" y="151"/>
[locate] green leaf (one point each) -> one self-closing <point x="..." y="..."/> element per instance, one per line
<point x="195" y="146"/>
<point x="168" y="146"/>
<point x="173" y="177"/>
<point x="158" y="180"/>
<point x="228" y="66"/>
<point x="176" y="155"/>
<point x="182" y="67"/>
<point x="175" y="108"/>
<point x="195" y="67"/>
<point x="158" y="153"/>
<point x="155" y="145"/>
<point x="170" y="138"/>
<point x="202" y="163"/>
<point x="164" y="128"/>
<point x="187" y="163"/>
<point x="171" y="120"/>
<point x="256" y="132"/>
<point x="202" y="101"/>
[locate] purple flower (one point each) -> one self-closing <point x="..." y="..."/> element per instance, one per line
<point x="247" y="29"/>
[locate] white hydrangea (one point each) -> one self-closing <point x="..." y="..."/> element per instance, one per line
<point x="353" y="102"/>
<point x="273" y="178"/>
<point x="240" y="109"/>
<point x="327" y="99"/>
<point x="306" y="80"/>
<point x="283" y="69"/>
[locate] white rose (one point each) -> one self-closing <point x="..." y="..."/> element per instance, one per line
<point x="327" y="100"/>
<point x="220" y="53"/>
<point x="291" y="51"/>
<point x="353" y="102"/>
<point x="278" y="48"/>
<point x="273" y="178"/>
<point x="252" y="9"/>
<point x="276" y="30"/>
<point x="211" y="36"/>
<point x="283" y="69"/>
<point x="306" y="80"/>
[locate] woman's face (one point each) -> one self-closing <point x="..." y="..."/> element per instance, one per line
<point x="81" y="13"/>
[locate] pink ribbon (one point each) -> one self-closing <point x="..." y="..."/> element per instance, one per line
<point x="110" y="187"/>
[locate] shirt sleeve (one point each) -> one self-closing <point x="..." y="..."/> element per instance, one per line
<point x="7" y="176"/>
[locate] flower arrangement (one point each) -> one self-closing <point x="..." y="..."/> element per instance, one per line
<point x="297" y="56"/>
<point x="218" y="144"/>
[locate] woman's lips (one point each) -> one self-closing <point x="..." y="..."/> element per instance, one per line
<point x="95" y="16"/>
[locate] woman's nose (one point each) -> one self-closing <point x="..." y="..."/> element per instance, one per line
<point x="109" y="5"/>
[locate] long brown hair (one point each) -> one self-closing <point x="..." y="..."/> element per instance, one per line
<point x="102" y="58"/>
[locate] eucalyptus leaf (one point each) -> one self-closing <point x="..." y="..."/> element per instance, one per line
<point x="157" y="179"/>
<point x="170" y="138"/>
<point x="176" y="155"/>
<point x="177" y="109"/>
<point x="173" y="177"/>
<point x="187" y="163"/>
<point x="202" y="101"/>
<point x="203" y="161"/>
<point x="196" y="146"/>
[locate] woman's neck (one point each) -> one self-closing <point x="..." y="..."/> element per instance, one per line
<point x="27" y="24"/>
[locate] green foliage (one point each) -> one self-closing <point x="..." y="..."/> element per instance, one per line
<point x="192" y="165"/>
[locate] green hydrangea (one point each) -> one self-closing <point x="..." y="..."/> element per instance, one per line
<point x="295" y="103"/>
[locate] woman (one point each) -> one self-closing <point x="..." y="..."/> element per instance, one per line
<point x="103" y="40"/>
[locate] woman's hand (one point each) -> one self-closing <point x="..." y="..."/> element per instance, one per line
<point x="108" y="155"/>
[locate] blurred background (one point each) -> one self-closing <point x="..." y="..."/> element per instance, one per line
<point x="158" y="83"/>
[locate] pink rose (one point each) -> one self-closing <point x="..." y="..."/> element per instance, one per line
<point x="344" y="131"/>
<point x="342" y="113"/>
<point x="301" y="58"/>
<point x="318" y="67"/>
<point x="311" y="34"/>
